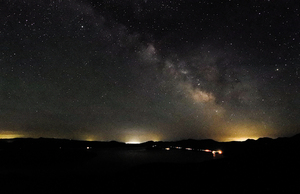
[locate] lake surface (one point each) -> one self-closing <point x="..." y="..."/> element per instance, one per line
<point x="112" y="168"/>
<point x="103" y="161"/>
<point x="116" y="159"/>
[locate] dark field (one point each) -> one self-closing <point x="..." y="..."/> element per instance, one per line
<point x="56" y="166"/>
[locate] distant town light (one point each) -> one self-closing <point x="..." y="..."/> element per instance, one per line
<point x="133" y="142"/>
<point x="216" y="152"/>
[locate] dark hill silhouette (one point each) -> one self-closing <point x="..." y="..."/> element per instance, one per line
<point x="252" y="166"/>
<point x="57" y="165"/>
<point x="54" y="144"/>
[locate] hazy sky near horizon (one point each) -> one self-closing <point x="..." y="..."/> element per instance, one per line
<point x="138" y="70"/>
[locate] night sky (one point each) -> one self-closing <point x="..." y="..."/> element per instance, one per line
<point x="138" y="70"/>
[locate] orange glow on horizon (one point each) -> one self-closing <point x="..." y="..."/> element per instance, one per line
<point x="241" y="131"/>
<point x="10" y="136"/>
<point x="239" y="139"/>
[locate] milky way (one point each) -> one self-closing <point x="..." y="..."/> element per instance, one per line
<point x="149" y="70"/>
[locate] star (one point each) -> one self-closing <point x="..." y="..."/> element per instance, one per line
<point x="138" y="71"/>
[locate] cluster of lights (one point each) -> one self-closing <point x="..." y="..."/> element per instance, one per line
<point x="214" y="152"/>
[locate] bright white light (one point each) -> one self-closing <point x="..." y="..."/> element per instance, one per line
<point x="133" y="142"/>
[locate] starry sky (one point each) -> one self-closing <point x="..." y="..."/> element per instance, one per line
<point x="138" y="70"/>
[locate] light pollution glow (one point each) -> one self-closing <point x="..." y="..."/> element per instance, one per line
<point x="9" y="135"/>
<point x="233" y="132"/>
<point x="244" y="131"/>
<point x="137" y="140"/>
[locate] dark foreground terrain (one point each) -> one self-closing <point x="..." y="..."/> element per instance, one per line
<point x="64" y="166"/>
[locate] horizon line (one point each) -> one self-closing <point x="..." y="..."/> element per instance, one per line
<point x="141" y="142"/>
